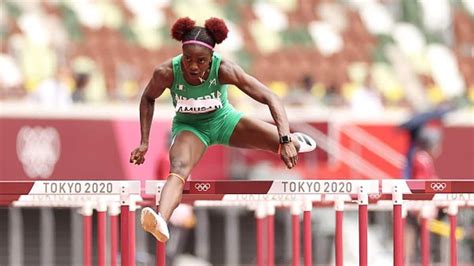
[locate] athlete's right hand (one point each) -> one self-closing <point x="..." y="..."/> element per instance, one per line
<point x="138" y="154"/>
<point x="289" y="155"/>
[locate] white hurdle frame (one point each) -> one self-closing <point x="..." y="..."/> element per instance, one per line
<point x="84" y="195"/>
<point x="436" y="191"/>
<point x="231" y="190"/>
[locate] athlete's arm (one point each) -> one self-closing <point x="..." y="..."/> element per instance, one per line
<point x="162" y="78"/>
<point x="231" y="73"/>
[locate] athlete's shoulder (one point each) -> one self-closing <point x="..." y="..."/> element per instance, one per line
<point x="229" y="72"/>
<point x="164" y="72"/>
<point x="227" y="65"/>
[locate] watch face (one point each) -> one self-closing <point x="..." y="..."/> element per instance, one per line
<point x="285" y="139"/>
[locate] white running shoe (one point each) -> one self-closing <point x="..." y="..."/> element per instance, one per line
<point x="307" y="144"/>
<point x="154" y="224"/>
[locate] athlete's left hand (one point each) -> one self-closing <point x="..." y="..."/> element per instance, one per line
<point x="289" y="155"/>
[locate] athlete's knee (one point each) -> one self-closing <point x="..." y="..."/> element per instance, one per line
<point x="180" y="166"/>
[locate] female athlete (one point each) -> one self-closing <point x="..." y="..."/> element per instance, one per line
<point x="197" y="80"/>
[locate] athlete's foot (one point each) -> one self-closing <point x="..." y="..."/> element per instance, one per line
<point x="306" y="143"/>
<point x="154" y="224"/>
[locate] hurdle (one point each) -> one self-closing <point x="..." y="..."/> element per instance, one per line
<point x="437" y="191"/>
<point x="262" y="197"/>
<point x="235" y="192"/>
<point x="264" y="207"/>
<point x="118" y="196"/>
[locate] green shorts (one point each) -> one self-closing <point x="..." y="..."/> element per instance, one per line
<point x="213" y="130"/>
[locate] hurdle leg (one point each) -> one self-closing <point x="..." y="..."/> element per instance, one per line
<point x="404" y="223"/>
<point x="114" y="212"/>
<point x="87" y="234"/>
<point x="425" y="237"/>
<point x="363" y="226"/>
<point x="101" y="232"/>
<point x="127" y="226"/>
<point x="160" y="253"/>
<point x="397" y="199"/>
<point x="295" y="216"/>
<point x="160" y="247"/>
<point x="271" y="234"/>
<point x="46" y="244"/>
<point x="260" y="214"/>
<point x="307" y="234"/>
<point x="397" y="235"/>
<point x="452" y="213"/>
<point x="127" y="231"/>
<point x="124" y="234"/>
<point x="339" y="206"/>
<point x="16" y="236"/>
<point x="231" y="236"/>
<point x="131" y="233"/>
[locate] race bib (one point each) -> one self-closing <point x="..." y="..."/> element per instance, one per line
<point x="198" y="106"/>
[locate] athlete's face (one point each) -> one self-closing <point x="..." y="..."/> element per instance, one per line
<point x="196" y="61"/>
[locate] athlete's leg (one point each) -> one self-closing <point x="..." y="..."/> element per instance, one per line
<point x="251" y="133"/>
<point x="184" y="154"/>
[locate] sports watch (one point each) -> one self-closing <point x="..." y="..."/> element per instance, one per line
<point x="285" y="139"/>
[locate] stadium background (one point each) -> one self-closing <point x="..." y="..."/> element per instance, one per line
<point x="350" y="72"/>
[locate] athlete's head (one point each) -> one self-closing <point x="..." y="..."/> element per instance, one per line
<point x="429" y="139"/>
<point x="198" y="43"/>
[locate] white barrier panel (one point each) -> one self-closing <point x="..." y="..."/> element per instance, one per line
<point x="70" y="200"/>
<point x="302" y="187"/>
<point x="84" y="187"/>
<point x="153" y="187"/>
<point x="324" y="187"/>
<point x="428" y="186"/>
<point x="73" y="193"/>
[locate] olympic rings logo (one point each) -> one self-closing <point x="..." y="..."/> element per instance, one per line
<point x="202" y="187"/>
<point x="438" y="186"/>
<point x="375" y="196"/>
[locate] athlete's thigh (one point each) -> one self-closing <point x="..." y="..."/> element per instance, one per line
<point x="185" y="152"/>
<point x="251" y="133"/>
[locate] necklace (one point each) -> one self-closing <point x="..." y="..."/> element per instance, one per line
<point x="201" y="77"/>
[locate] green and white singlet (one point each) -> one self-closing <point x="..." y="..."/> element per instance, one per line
<point x="203" y="109"/>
